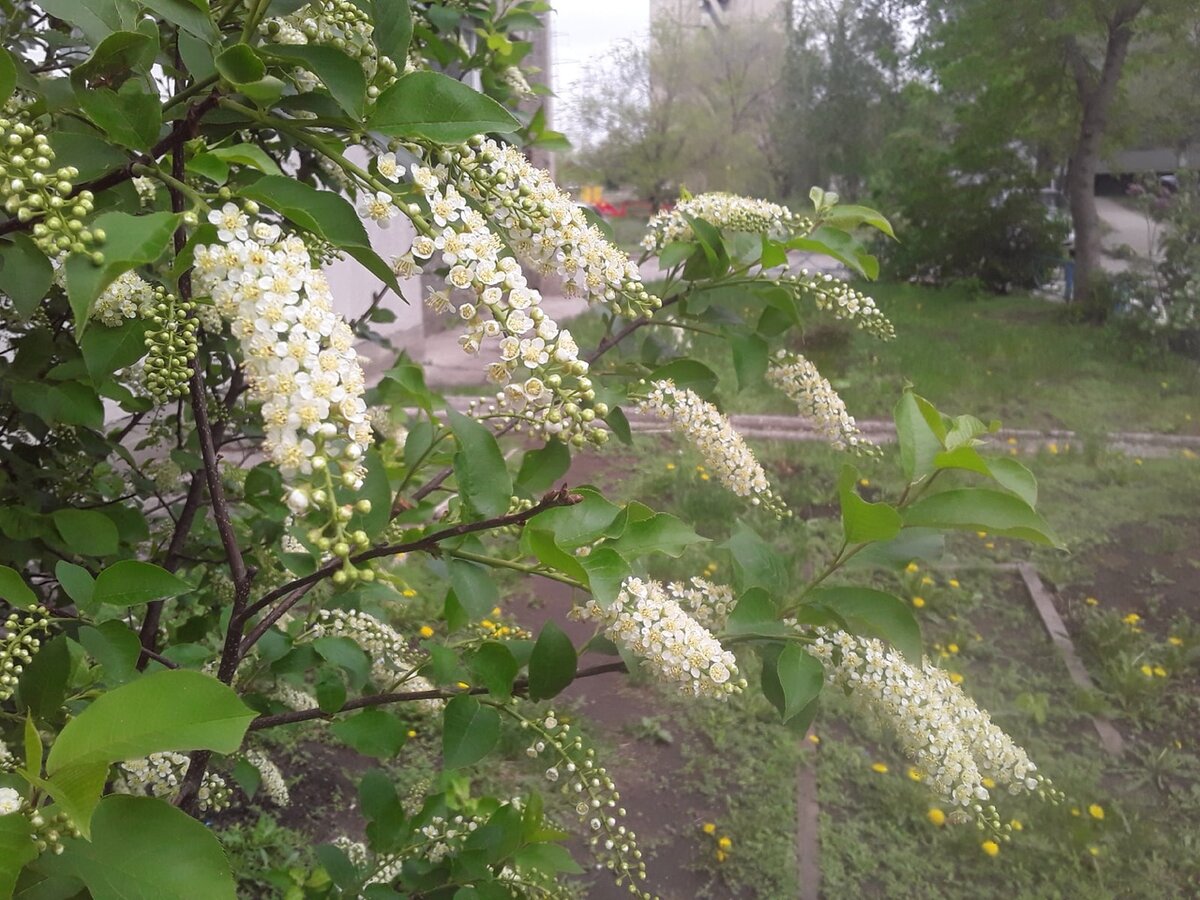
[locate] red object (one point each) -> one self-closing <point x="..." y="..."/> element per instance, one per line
<point x="607" y="210"/>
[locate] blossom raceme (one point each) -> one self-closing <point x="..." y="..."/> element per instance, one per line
<point x="654" y="627"/>
<point x="726" y="212"/>
<point x="953" y="743"/>
<point x="544" y="226"/>
<point x="271" y="781"/>
<point x="723" y="449"/>
<point x="816" y="399"/>
<point x="545" y="383"/>
<point x="836" y="297"/>
<point x="299" y="354"/>
<point x="161" y="775"/>
<point x="708" y="603"/>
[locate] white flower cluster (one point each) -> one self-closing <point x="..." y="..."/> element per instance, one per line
<point x="292" y="697"/>
<point x="953" y="742"/>
<point x="817" y="400"/>
<point x="335" y="23"/>
<point x="7" y="760"/>
<point x="10" y="801"/>
<point x="545" y="227"/>
<point x="391" y="656"/>
<point x="708" y="603"/>
<point x="726" y="212"/>
<point x="129" y="297"/>
<point x="650" y="623"/>
<point x="835" y="296"/>
<point x="574" y="770"/>
<point x="445" y="836"/>
<point x="161" y="774"/>
<point x="546" y="383"/>
<point x="272" y="783"/>
<point x="516" y="81"/>
<point x="381" y="869"/>
<point x="724" y="450"/>
<point x="299" y="354"/>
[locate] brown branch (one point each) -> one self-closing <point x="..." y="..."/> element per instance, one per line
<point x="307" y="715"/>
<point x="613" y="339"/>
<point x="561" y="497"/>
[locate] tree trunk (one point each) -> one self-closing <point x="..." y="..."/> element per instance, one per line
<point x="1096" y="91"/>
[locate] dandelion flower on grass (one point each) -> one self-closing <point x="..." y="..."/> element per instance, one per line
<point x="991" y="848"/>
<point x="936" y="817"/>
<point x="1096" y="811"/>
<point x="879" y="767"/>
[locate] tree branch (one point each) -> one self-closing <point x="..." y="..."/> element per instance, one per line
<point x="300" y="586"/>
<point x="307" y="715"/>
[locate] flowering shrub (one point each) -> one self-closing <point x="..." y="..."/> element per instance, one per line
<point x="209" y="508"/>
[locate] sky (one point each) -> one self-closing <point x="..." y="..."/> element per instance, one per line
<point x="584" y="30"/>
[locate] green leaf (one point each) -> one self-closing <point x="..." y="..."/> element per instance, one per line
<point x="105" y="350"/>
<point x="16" y="849"/>
<point x="661" y="533"/>
<point x="873" y="614"/>
<point x="378" y="490"/>
<point x="14" y="589"/>
<point x="95" y="18"/>
<point x="850" y="217"/>
<point x="755" y="562"/>
<point x="143" y="848"/>
<point x="132" y="582"/>
<point x="340" y="74"/>
<point x="250" y="155"/>
<point x="115" y="647"/>
<point x="755" y="614"/>
<point x="865" y="522"/>
<point x="912" y="543"/>
<point x="470" y="730"/>
<point x="676" y="252"/>
<point x="606" y="572"/>
<point x="239" y="64"/>
<point x="474" y="586"/>
<point x="76" y="581"/>
<point x="191" y="16"/>
<point x="688" y="374"/>
<point x="749" y="359"/>
<point x="43" y="684"/>
<point x="372" y="732"/>
<point x="483" y="480"/>
<point x="325" y="214"/>
<point x="393" y="29"/>
<point x="69" y="403"/>
<point x="919" y="444"/>
<point x="347" y="655"/>
<point x="76" y="789"/>
<point x="542" y="545"/>
<point x="86" y="532"/>
<point x="838" y="245"/>
<point x="175" y="709"/>
<point x="25" y="272"/>
<point x="552" y="664"/>
<point x="494" y="666"/>
<point x="132" y="241"/>
<point x="801" y="678"/>
<point x="436" y="107"/>
<point x="116" y="56"/>
<point x="1013" y="476"/>
<point x="8" y="76"/>
<point x="542" y="467"/>
<point x="578" y="524"/>
<point x="981" y="509"/>
<point x="131" y="115"/>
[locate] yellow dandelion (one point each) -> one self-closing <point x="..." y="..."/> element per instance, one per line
<point x="912" y="567"/>
<point x="699" y="468"/>
<point x="918" y="602"/>
<point x="1160" y="672"/>
<point x="722" y="856"/>
<point x="864" y="482"/>
<point x="704" y="476"/>
<point x="1012" y="442"/>
<point x="1131" y="619"/>
<point x="1016" y="825"/>
<point x="426" y="631"/>
<point x="1147" y="670"/>
<point x="926" y="580"/>
<point x="989" y="545"/>
<point x="914" y="774"/>
<point x="1137" y="462"/>
<point x="956" y="678"/>
<point x="1187" y="454"/>
<point x="408" y="592"/>
<point x="670" y="467"/>
<point x="879" y="767"/>
<point x="725" y="843"/>
<point x="1096" y="811"/>
<point x="981" y="534"/>
<point x="1094" y="850"/>
<point x="953" y="648"/>
<point x="1091" y="601"/>
<point x="1053" y="448"/>
<point x="495" y="610"/>
<point x="1075" y="811"/>
<point x="814" y="739"/>
<point x="936" y="816"/>
<point x="1175" y="641"/>
<point x="412" y="733"/>
<point x="991" y="848"/>
<point x="1012" y="451"/>
<point x="953" y="582"/>
<point x="463" y="685"/>
<point x="709" y="828"/>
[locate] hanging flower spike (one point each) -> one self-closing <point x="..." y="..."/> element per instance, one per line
<point x="544" y="226"/>
<point x="724" y="450"/>
<point x="300" y="365"/>
<point x="817" y="400"/>
<point x="835" y="296"/>
<point x="654" y="627"/>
